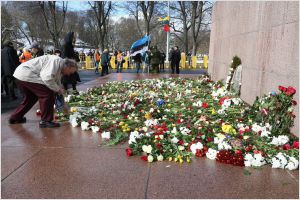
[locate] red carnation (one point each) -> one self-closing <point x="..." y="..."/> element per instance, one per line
<point x="283" y="89"/>
<point x="249" y="148"/>
<point x="238" y="152"/>
<point x="180" y="142"/>
<point x="204" y="105"/>
<point x="286" y="146"/>
<point x="294" y="102"/>
<point x="144" y="158"/>
<point x="90" y="121"/>
<point x="209" y="139"/>
<point x="290" y="91"/>
<point x="295" y="145"/>
<point x="129" y="152"/>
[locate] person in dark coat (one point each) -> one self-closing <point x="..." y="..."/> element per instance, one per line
<point x="67" y="51"/>
<point x="138" y="61"/>
<point x="104" y="62"/>
<point x="36" y="50"/>
<point x="9" y="63"/>
<point x="175" y="59"/>
<point x="162" y="62"/>
<point x="155" y="58"/>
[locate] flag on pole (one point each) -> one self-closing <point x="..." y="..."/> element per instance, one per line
<point x="166" y="22"/>
<point x="140" y="46"/>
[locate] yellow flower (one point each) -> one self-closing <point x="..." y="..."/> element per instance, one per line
<point x="73" y="109"/>
<point x="181" y="161"/>
<point x="246" y="137"/>
<point x="228" y="129"/>
<point x="173" y="125"/>
<point x="169" y="105"/>
<point x="148" y="115"/>
<point x="213" y="111"/>
<point x="179" y="156"/>
<point x="121" y="123"/>
<point x="188" y="160"/>
<point x="136" y="129"/>
<point x="170" y="158"/>
<point x="175" y="160"/>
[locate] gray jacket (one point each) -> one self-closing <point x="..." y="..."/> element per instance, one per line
<point x="45" y="70"/>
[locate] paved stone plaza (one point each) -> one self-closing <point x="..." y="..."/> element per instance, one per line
<point x="69" y="163"/>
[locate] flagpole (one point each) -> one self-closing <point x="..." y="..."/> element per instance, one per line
<point x="168" y="33"/>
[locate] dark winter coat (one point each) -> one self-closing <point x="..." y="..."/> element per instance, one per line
<point x="105" y="59"/>
<point x="137" y="58"/>
<point x="67" y="51"/>
<point x="163" y="58"/>
<point x="175" y="56"/>
<point x="9" y="60"/>
<point x="155" y="57"/>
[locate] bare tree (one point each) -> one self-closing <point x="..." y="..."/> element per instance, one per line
<point x="101" y="10"/>
<point x="54" y="19"/>
<point x="200" y="10"/>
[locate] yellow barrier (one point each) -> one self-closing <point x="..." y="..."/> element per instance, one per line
<point x="88" y="62"/>
<point x="183" y="60"/>
<point x="194" y="62"/>
<point x="125" y="64"/>
<point x="112" y="62"/>
<point x="205" y="61"/>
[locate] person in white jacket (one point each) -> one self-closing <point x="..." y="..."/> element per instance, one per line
<point x="39" y="79"/>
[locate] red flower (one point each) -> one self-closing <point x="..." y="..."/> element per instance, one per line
<point x="129" y="152"/>
<point x="294" y="102"/>
<point x="144" y="158"/>
<point x="180" y="142"/>
<point x="159" y="145"/>
<point x="90" y="121"/>
<point x="221" y="101"/>
<point x="209" y="139"/>
<point x="204" y="105"/>
<point x="281" y="88"/>
<point x="286" y="146"/>
<point x="249" y="148"/>
<point x="295" y="145"/>
<point x="238" y="152"/>
<point x="290" y="91"/>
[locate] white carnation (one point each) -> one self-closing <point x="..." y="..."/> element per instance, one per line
<point x="105" y="135"/>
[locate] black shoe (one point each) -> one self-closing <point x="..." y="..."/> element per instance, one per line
<point x="19" y="121"/>
<point x="44" y="124"/>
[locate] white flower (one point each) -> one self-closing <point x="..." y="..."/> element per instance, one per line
<point x="68" y="98"/>
<point x="196" y="146"/>
<point x="174" y="140"/>
<point x="198" y="104"/>
<point x="174" y="131"/>
<point x="257" y="160"/>
<point x="221" y="111"/>
<point x="265" y="133"/>
<point x="212" y="154"/>
<point x="147" y="148"/>
<point x="224" y="145"/>
<point x="105" y="135"/>
<point x="95" y="129"/>
<point x="280" y="140"/>
<point x="184" y="130"/>
<point x="150" y="122"/>
<point x="84" y="126"/>
<point x="276" y="163"/>
<point x="160" y="158"/>
<point x="133" y="136"/>
<point x="151" y="110"/>
<point x="181" y="148"/>
<point x="74" y="122"/>
<point x="292" y="164"/>
<point x="236" y="101"/>
<point x="150" y="158"/>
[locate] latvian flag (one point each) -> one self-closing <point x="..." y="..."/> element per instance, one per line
<point x="140" y="46"/>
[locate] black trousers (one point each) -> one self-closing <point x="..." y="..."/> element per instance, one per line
<point x="9" y="85"/>
<point x="104" y="69"/>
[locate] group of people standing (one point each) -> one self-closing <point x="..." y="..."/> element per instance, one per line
<point x="156" y="60"/>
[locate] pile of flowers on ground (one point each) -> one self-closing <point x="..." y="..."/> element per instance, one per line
<point x="177" y="119"/>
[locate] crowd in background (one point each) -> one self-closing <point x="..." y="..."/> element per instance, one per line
<point x="152" y="59"/>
